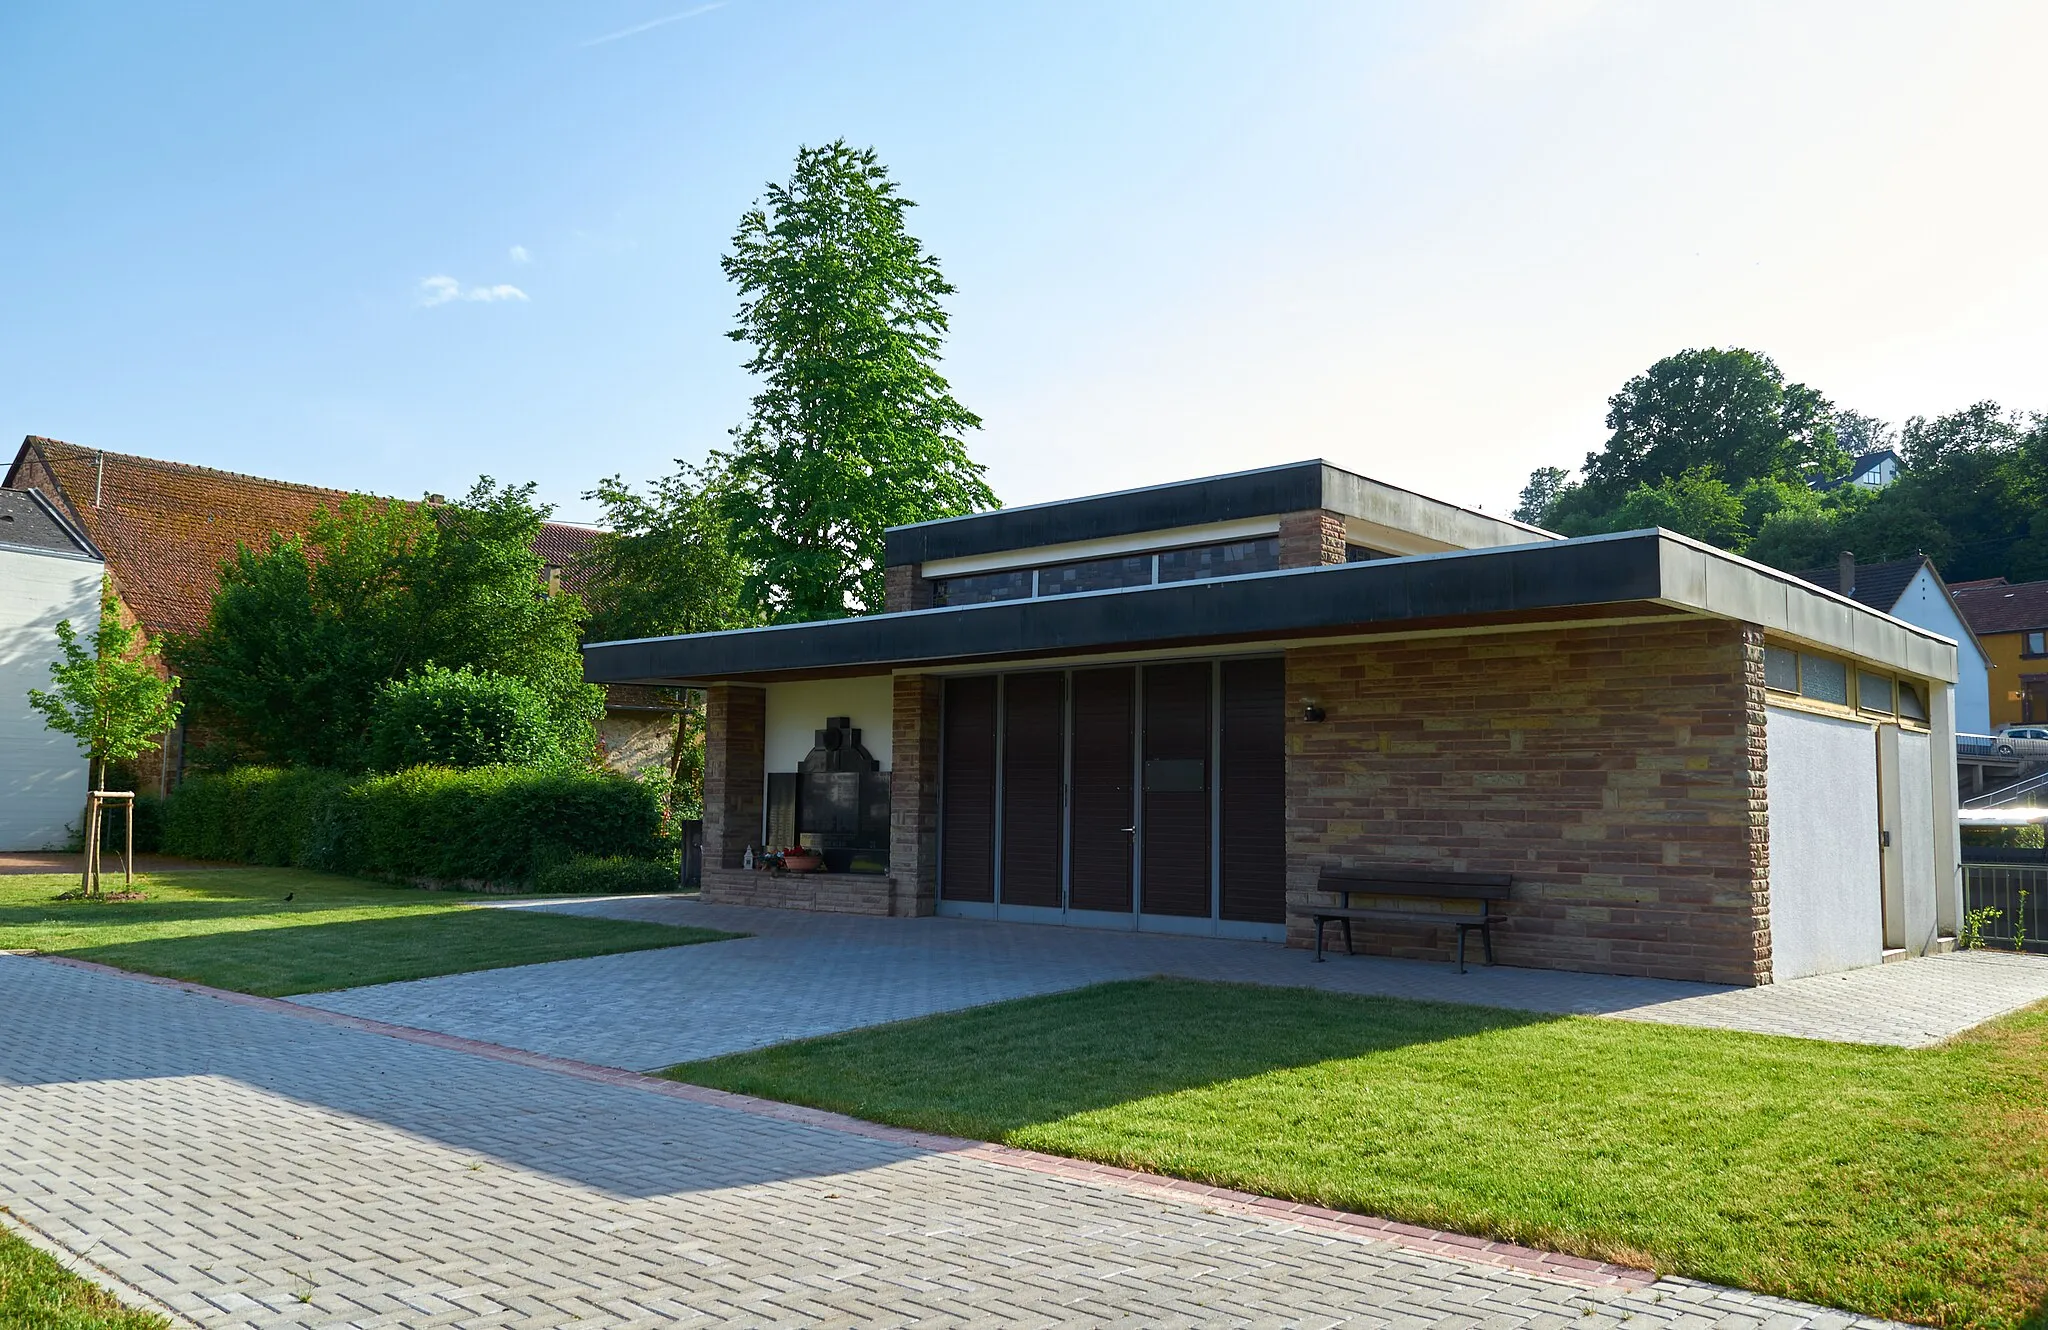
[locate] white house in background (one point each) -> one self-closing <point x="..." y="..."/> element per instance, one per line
<point x="48" y="572"/>
<point x="1911" y="589"/>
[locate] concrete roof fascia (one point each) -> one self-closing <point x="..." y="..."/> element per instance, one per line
<point x="1700" y="577"/>
<point x="1263" y="492"/>
<point x="1651" y="566"/>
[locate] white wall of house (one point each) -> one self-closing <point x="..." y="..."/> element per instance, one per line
<point x="1827" y="886"/>
<point x="42" y="773"/>
<point x="1925" y="605"/>
<point x="796" y="711"/>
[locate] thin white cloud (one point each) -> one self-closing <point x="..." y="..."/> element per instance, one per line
<point x="651" y="24"/>
<point x="441" y="289"/>
<point x="520" y="254"/>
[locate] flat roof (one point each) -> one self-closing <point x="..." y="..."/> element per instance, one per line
<point x="1632" y="573"/>
<point x="1264" y="492"/>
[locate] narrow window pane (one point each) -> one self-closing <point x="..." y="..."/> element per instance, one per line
<point x="982" y="588"/>
<point x="1231" y="559"/>
<point x="1364" y="554"/>
<point x="2037" y="644"/>
<point x="1910" y="705"/>
<point x="1064" y="579"/>
<point x="1874" y="692"/>
<point x="1781" y="669"/>
<point x="1824" y="679"/>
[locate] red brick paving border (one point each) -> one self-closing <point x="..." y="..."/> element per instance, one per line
<point x="1411" y="1237"/>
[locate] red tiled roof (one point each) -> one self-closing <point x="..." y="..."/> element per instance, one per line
<point x="166" y="527"/>
<point x="2003" y="607"/>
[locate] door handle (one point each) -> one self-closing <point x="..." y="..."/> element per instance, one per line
<point x="1130" y="830"/>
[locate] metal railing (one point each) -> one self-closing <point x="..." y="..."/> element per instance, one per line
<point x="2017" y="890"/>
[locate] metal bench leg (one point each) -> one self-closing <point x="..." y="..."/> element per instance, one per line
<point x="1486" y="940"/>
<point x="1319" y="938"/>
<point x="1348" y="949"/>
<point x="1461" y="948"/>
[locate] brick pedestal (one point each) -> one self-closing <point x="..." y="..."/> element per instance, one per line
<point x="1309" y="538"/>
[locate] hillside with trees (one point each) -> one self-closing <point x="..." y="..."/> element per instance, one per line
<point x="1718" y="445"/>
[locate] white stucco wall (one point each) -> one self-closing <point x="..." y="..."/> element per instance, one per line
<point x="1924" y="605"/>
<point x="1915" y="840"/>
<point x="1827" y="892"/>
<point x="796" y="711"/>
<point x="42" y="773"/>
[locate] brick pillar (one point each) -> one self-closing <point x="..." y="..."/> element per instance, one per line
<point x="1314" y="536"/>
<point x="903" y="589"/>
<point x="914" y="796"/>
<point x="735" y="770"/>
<point x="1755" y="779"/>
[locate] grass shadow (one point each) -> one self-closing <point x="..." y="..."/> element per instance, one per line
<point x="316" y="957"/>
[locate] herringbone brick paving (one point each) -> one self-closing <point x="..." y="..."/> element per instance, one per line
<point x="248" y="1166"/>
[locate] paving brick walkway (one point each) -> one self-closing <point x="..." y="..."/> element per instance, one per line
<point x="805" y="974"/>
<point x="247" y="1164"/>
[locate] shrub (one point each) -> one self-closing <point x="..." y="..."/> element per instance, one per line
<point x="497" y="825"/>
<point x="461" y="718"/>
<point x="2014" y="838"/>
<point x="611" y="875"/>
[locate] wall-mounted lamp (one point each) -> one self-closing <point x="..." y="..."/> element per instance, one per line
<point x="1310" y="712"/>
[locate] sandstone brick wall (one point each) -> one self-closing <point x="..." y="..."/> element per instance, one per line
<point x="914" y="795"/>
<point x="903" y="589"/>
<point x="735" y="772"/>
<point x="1309" y="538"/>
<point x="1616" y="772"/>
<point x="835" y="893"/>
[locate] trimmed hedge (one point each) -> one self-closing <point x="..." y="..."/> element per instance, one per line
<point x="612" y="875"/>
<point x="495" y="825"/>
<point x="460" y="718"/>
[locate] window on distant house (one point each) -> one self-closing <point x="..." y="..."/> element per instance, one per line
<point x="1824" y="679"/>
<point x="2036" y="645"/>
<point x="1781" y="669"/>
<point x="982" y="588"/>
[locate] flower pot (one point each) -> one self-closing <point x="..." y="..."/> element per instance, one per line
<point x="803" y="863"/>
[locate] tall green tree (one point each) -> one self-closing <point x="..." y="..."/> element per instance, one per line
<point x="303" y="634"/>
<point x="665" y="561"/>
<point x="107" y="692"/>
<point x="854" y="429"/>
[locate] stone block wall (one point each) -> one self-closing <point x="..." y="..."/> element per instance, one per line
<point x="1616" y="772"/>
<point x="903" y="589"/>
<point x="914" y="795"/>
<point x="1309" y="538"/>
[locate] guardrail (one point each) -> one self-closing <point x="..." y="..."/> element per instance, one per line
<point x="2017" y="888"/>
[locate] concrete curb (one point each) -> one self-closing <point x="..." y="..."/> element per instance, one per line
<point x="136" y="1298"/>
<point x="1426" y="1241"/>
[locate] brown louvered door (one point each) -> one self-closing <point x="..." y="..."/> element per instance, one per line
<point x="1034" y="769"/>
<point x="1104" y="702"/>
<point x="967" y="828"/>
<point x="1252" y="802"/>
<point x="1176" y="774"/>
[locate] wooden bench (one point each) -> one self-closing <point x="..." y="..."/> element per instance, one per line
<point x="1412" y="884"/>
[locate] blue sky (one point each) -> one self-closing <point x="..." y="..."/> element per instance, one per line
<point x="391" y="246"/>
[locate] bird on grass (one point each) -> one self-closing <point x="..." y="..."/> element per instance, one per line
<point x="289" y="894"/>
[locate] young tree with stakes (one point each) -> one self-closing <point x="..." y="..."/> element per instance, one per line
<point x="108" y="695"/>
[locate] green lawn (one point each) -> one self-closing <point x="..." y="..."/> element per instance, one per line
<point x="232" y="928"/>
<point x="36" y="1293"/>
<point x="1903" y="1183"/>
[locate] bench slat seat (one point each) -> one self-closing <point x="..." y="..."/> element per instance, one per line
<point x="1412" y="884"/>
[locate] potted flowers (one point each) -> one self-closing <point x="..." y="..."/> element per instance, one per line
<point x="797" y="859"/>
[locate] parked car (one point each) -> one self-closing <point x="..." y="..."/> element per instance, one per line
<point x="2021" y="741"/>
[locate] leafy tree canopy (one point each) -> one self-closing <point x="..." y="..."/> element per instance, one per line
<point x="303" y="634"/>
<point x="107" y="692"/>
<point x="853" y="429"/>
<point x="665" y="562"/>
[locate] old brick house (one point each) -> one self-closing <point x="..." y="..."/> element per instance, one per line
<point x="1171" y="708"/>
<point x="166" y="528"/>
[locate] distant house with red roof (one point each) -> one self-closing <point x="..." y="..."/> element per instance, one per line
<point x="2011" y="619"/>
<point x="166" y="528"/>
